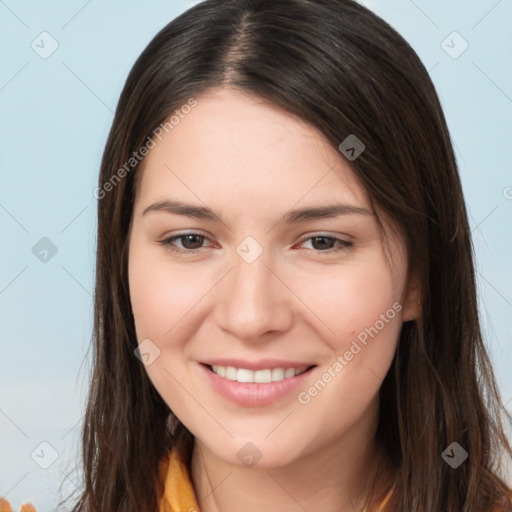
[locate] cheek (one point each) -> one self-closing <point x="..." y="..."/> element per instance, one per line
<point x="361" y="307"/>
<point x="360" y="312"/>
<point x="351" y="298"/>
<point x="161" y="294"/>
<point x="162" y="298"/>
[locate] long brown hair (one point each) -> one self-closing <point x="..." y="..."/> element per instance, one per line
<point x="344" y="70"/>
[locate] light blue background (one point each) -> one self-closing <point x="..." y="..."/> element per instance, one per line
<point x="56" y="113"/>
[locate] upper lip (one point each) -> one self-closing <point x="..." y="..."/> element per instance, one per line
<point x="262" y="364"/>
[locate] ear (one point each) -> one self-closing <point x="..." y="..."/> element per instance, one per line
<point x="412" y="300"/>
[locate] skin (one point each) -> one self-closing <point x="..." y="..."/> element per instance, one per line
<point x="251" y="163"/>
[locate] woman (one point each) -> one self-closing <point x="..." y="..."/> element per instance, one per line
<point x="242" y="364"/>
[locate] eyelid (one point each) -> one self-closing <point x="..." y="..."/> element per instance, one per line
<point x="342" y="244"/>
<point x="167" y="242"/>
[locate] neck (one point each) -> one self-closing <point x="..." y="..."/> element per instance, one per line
<point x="334" y="478"/>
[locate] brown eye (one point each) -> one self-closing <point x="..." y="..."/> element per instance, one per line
<point x="190" y="242"/>
<point x="323" y="243"/>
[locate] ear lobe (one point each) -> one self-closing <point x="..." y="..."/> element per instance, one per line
<point x="412" y="302"/>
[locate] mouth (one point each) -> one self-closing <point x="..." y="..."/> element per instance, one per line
<point x="264" y="384"/>
<point x="263" y="376"/>
<point x="257" y="376"/>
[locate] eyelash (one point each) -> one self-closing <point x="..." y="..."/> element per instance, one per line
<point x="168" y="243"/>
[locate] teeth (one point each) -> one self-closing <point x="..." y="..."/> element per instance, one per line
<point x="277" y="374"/>
<point x="263" y="376"/>
<point x="231" y="373"/>
<point x="244" y="375"/>
<point x="289" y="372"/>
<point x="258" y="376"/>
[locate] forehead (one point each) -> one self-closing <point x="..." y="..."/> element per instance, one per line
<point x="237" y="149"/>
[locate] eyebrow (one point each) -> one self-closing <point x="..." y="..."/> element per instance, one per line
<point x="291" y="217"/>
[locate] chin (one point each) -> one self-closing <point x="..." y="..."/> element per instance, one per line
<point x="257" y="453"/>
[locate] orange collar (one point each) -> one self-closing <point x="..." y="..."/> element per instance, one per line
<point x="179" y="495"/>
<point x="384" y="502"/>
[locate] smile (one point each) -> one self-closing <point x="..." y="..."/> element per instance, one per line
<point x="256" y="376"/>
<point x="266" y="383"/>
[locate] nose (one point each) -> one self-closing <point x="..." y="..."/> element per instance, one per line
<point x="254" y="301"/>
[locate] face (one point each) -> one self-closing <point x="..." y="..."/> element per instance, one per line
<point x="266" y="321"/>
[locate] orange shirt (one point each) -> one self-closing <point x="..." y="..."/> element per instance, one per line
<point x="179" y="495"/>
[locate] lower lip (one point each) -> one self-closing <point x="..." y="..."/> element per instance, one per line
<point x="252" y="394"/>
